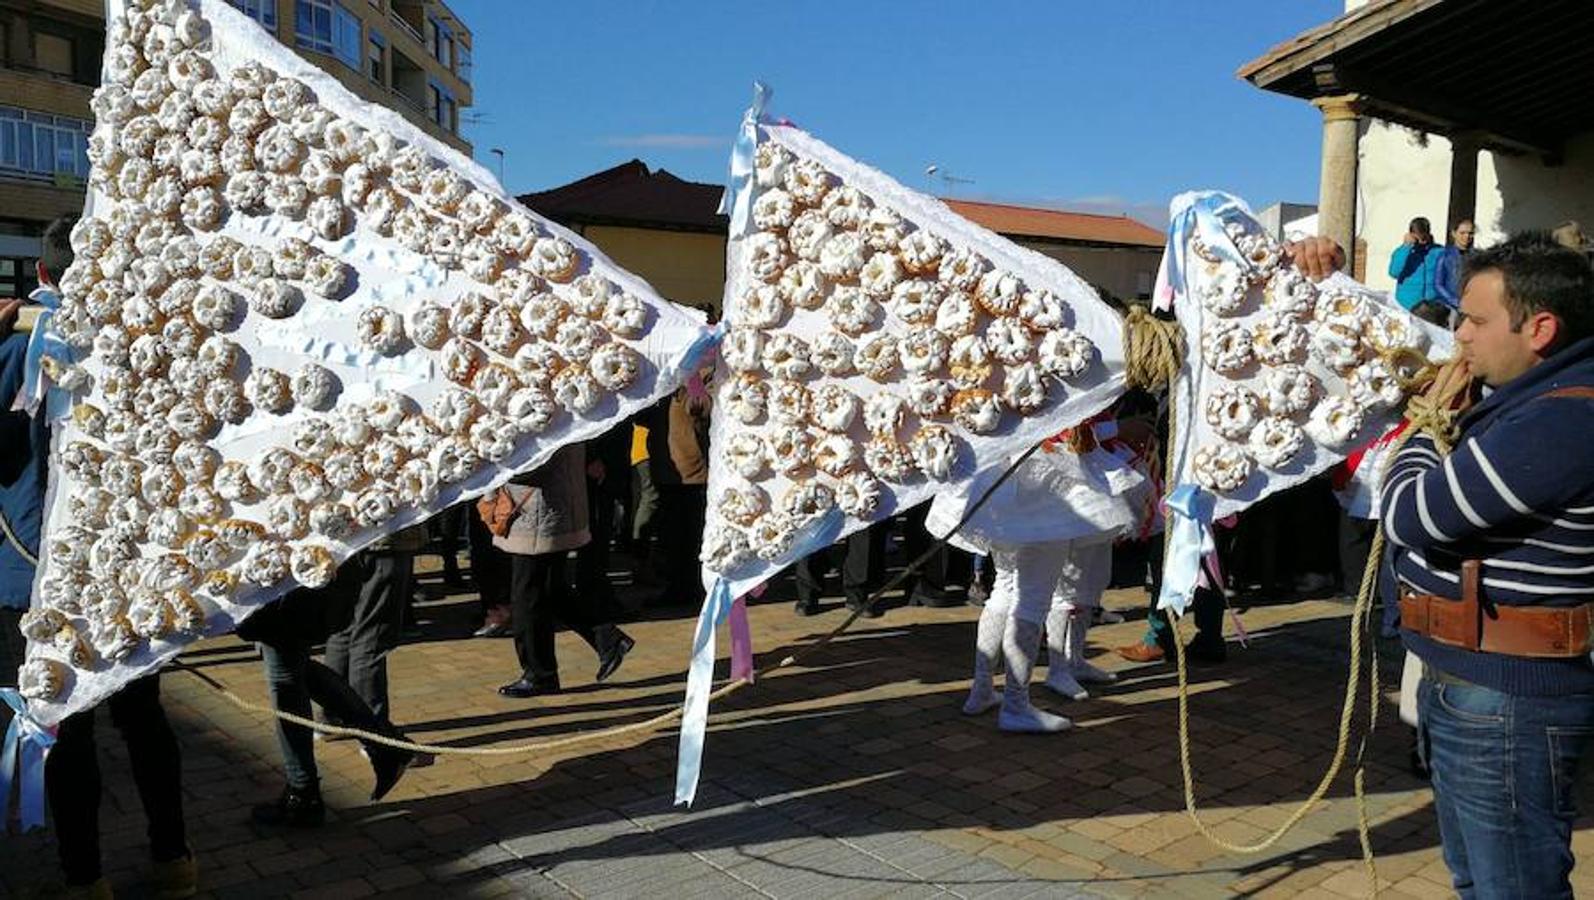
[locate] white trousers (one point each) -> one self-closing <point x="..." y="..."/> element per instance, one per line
<point x="1032" y="578"/>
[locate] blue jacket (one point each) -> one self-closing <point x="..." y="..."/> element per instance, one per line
<point x="1447" y="275"/>
<point x="1516" y="493"/>
<point x="24" y="456"/>
<point x="1414" y="269"/>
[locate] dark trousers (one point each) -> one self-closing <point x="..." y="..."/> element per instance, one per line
<point x="295" y="680"/>
<point x="945" y="568"/>
<point x="358" y="653"/>
<point x="644" y="502"/>
<point x="542" y="599"/>
<point x="592" y="560"/>
<point x="1206" y="608"/>
<point x="863" y="565"/>
<point x="489" y="566"/>
<point x="13" y="651"/>
<point x="682" y="508"/>
<point x="72" y="780"/>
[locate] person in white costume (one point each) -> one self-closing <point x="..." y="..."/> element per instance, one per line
<point x="1049" y="531"/>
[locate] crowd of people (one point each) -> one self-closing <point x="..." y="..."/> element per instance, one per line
<point x="1486" y="579"/>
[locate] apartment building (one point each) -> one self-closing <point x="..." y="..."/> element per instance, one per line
<point x="413" y="56"/>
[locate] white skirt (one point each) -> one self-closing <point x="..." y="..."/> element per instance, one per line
<point x="1056" y="495"/>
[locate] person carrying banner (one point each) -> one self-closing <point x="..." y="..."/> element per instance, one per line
<point x="1491" y="513"/>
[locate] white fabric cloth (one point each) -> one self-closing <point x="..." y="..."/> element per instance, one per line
<point x="1056" y="495"/>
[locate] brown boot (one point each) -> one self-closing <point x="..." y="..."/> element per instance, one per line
<point x="176" y="879"/>
<point x="1141" y="653"/>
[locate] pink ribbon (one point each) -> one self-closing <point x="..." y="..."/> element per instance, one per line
<point x="742" y="639"/>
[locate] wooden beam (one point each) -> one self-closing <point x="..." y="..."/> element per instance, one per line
<point x="1353" y="28"/>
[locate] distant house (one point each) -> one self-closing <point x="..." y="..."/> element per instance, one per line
<point x="669" y="232"/>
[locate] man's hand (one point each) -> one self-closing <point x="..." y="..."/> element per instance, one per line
<point x="1316" y="257"/>
<point x="8" y="316"/>
<point x="1409" y="239"/>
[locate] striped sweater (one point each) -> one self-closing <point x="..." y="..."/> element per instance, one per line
<point x="1517" y="492"/>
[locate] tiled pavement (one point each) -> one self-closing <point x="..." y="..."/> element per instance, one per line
<point x="849" y="774"/>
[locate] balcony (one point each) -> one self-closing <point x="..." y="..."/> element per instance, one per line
<point x="410" y="17"/>
<point x="409" y="81"/>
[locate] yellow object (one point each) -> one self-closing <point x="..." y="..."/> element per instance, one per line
<point x="28" y="317"/>
<point x="639" y="444"/>
<point x="177" y="879"/>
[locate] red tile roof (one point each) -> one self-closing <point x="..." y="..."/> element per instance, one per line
<point x="632" y="194"/>
<point x="1057" y="224"/>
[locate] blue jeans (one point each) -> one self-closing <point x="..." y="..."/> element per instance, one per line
<point x="1504" y="770"/>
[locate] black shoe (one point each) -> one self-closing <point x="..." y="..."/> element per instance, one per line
<point x="296" y="808"/>
<point x="807" y="608"/>
<point x="867" y="612"/>
<point x="609" y="663"/>
<point x="524" y="689"/>
<point x="388" y="765"/>
<point x="1205" y="652"/>
<point x="935" y="600"/>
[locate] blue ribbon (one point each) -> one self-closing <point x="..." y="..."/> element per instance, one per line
<point x="737" y="201"/>
<point x="46" y="341"/>
<point x="22" y="761"/>
<point x="700" y="677"/>
<point x="1189" y="523"/>
<point x="1199" y="212"/>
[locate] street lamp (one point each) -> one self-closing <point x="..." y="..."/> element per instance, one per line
<point x="498" y="152"/>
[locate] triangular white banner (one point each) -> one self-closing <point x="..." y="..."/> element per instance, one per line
<point x="302" y="324"/>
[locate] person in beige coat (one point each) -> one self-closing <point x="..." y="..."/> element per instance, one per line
<point x="552" y="521"/>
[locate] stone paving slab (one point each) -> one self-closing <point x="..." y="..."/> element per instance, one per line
<point x="849" y="774"/>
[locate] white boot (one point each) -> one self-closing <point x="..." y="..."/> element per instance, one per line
<point x="1020" y="644"/>
<point x="1084" y="672"/>
<point x="987" y="657"/>
<point x="1060" y="678"/>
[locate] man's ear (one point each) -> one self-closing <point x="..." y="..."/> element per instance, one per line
<point x="1543" y="330"/>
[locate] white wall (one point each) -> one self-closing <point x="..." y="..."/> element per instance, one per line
<point x="1520" y="192"/>
<point x="1402" y="174"/>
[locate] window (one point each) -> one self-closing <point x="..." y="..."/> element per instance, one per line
<point x="262" y="11"/>
<point x="326" y="27"/>
<point x="440" y="42"/>
<point x="464" y="63"/>
<point x="42" y="146"/>
<point x="376" y="57"/>
<point x="52" y="53"/>
<point x="441" y="107"/>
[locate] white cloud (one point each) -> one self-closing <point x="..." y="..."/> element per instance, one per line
<point x="667" y="141"/>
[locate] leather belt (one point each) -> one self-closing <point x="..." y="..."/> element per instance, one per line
<point x="1509" y="630"/>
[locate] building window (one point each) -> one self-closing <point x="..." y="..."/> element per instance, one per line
<point x="326" y="27"/>
<point x="262" y="11"/>
<point x="442" y="108"/>
<point x="440" y="43"/>
<point x="38" y="145"/>
<point x="52" y="53"/>
<point x="464" y="63"/>
<point x="376" y="57"/>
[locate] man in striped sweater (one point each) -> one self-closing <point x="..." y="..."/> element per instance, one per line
<point x="1494" y="549"/>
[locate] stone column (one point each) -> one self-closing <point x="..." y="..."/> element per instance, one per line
<point x="1336" y="202"/>
<point x="1463" y="180"/>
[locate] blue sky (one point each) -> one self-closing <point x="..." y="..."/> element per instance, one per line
<point x="1104" y="107"/>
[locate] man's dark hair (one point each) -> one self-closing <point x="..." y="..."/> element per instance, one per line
<point x="1541" y="276"/>
<point x="56" y="251"/>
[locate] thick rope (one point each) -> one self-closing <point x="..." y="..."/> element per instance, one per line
<point x="1153" y="349"/>
<point x="16" y="543"/>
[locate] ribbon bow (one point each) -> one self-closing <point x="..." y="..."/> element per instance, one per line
<point x="45" y="342"/>
<point x="22" y="761"/>
<point x="1189" y="522"/>
<point x="737" y="201"/>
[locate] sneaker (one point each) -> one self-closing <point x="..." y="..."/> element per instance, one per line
<point x="493" y="630"/>
<point x="1101" y="615"/>
<point x="296" y="808"/>
<point x="176" y="879"/>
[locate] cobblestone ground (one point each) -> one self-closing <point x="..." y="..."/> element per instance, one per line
<point x="849" y="774"/>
